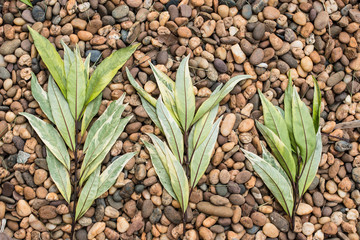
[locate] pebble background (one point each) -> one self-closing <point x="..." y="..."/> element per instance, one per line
<point x="263" y="38"/>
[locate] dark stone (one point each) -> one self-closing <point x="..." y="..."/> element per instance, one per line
<point x="81" y="234"/>
<point x="173" y="215"/>
<point x="38" y="14"/>
<point x="221" y="190"/>
<point x="10" y="161"/>
<point x="342" y="146"/>
<point x="279" y="221"/>
<point x="95" y="55"/>
<point x="7" y="189"/>
<point x="155" y="216"/>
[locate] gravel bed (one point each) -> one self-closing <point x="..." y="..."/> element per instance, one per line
<point x="266" y="39"/>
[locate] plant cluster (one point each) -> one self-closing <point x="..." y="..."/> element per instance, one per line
<point x="190" y="134"/>
<point x="295" y="141"/>
<point x="73" y="99"/>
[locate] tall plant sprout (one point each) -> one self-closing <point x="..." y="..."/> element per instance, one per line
<point x="190" y="134"/>
<point x="71" y="102"/>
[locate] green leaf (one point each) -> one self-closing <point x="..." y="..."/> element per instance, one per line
<point x="76" y="85"/>
<point x="59" y="174"/>
<point x="316" y="105"/>
<point x="169" y="101"/>
<point x="202" y="155"/>
<point x="171" y="130"/>
<point x="216" y="98"/>
<point x="279" y="185"/>
<point x="200" y="131"/>
<point x="274" y="121"/>
<point x="90" y="111"/>
<point x="106" y="70"/>
<point x="280" y="150"/>
<point x="140" y="90"/>
<point x="27" y="2"/>
<point x="178" y="179"/>
<point x="159" y="167"/>
<point x="87" y="68"/>
<point x="160" y="76"/>
<point x="41" y="97"/>
<point x="88" y="194"/>
<point x="110" y="110"/>
<point x="51" y="58"/>
<point x="151" y="111"/>
<point x="62" y="115"/>
<point x="50" y="137"/>
<point x="269" y="158"/>
<point x="303" y="128"/>
<point x="101" y="144"/>
<point x="111" y="173"/>
<point x="311" y="166"/>
<point x="184" y="94"/>
<point x="69" y="57"/>
<point x="288" y="112"/>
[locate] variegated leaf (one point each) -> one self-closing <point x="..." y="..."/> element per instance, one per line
<point x="311" y="166"/>
<point x="106" y="70"/>
<point x="171" y="130"/>
<point x="216" y="98"/>
<point x="159" y="167"/>
<point x="111" y="173"/>
<point x="88" y="194"/>
<point x="202" y="155"/>
<point x="274" y="121"/>
<point x="184" y="95"/>
<point x="62" y="115"/>
<point x="76" y="85"/>
<point x="59" y="174"/>
<point x="102" y="143"/>
<point x="100" y="121"/>
<point x="280" y="150"/>
<point x="275" y="181"/>
<point x="41" y="97"/>
<point x="151" y="111"/>
<point x="90" y="111"/>
<point x="50" y="137"/>
<point x="140" y="90"/>
<point x="303" y="127"/>
<point x="51" y="58"/>
<point x="316" y="105"/>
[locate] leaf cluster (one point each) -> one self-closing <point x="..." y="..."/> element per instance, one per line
<point x="74" y="98"/>
<point x="294" y="138"/>
<point x="190" y="134"/>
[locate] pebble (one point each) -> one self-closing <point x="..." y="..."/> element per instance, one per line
<point x="97" y="228"/>
<point x="304" y="209"/>
<point x="210" y="209"/>
<point x="270" y="230"/>
<point x="23" y="208"/>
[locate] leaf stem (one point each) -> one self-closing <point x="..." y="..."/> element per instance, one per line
<point x="75" y="184"/>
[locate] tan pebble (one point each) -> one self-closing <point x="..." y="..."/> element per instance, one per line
<point x="23" y="208"/>
<point x="122" y="225"/>
<point x="205" y="233"/>
<point x="40" y="176"/>
<point x="299" y="18"/>
<point x="270" y="230"/>
<point x="96" y="229"/>
<point x="306" y="64"/>
<point x="246" y="125"/>
<point x="227" y="124"/>
<point x="304" y="209"/>
<point x="271" y="13"/>
<point x="238" y="54"/>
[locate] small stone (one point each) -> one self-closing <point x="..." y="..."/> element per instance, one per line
<point x="279" y="221"/>
<point x="47" y="212"/>
<point x="299" y="18"/>
<point x="239" y="55"/>
<point x="342" y="146"/>
<point x="22" y="157"/>
<point x="227" y="124"/>
<point x="173" y="215"/>
<point x="122" y="225"/>
<point x="329" y="228"/>
<point x="271" y="13"/>
<point x="96" y="229"/>
<point x="38" y="13"/>
<point x="270" y="230"/>
<point x="121" y="11"/>
<point x="23" y="208"/>
<point x="36" y="224"/>
<point x="259" y="31"/>
<point x="40" y="176"/>
<point x="321" y="20"/>
<point x="308" y="228"/>
<point x="304" y="209"/>
<point x="210" y="209"/>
